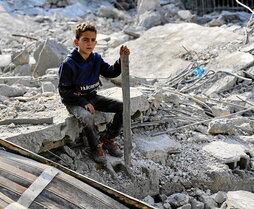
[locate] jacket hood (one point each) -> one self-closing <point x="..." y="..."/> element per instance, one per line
<point x="77" y="56"/>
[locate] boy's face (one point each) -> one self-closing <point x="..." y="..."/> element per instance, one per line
<point x="86" y="42"/>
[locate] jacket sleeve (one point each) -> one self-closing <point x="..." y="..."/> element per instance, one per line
<point x="66" y="88"/>
<point x="110" y="71"/>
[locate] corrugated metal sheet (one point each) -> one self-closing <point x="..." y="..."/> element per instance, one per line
<point x="202" y="7"/>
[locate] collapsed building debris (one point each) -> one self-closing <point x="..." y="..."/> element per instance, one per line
<point x="185" y="126"/>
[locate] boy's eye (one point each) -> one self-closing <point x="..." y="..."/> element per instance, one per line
<point x="89" y="39"/>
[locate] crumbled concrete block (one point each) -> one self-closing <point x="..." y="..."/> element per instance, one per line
<point x="48" y="87"/>
<point x="156" y="148"/>
<point x="5" y="60"/>
<point x="11" y="91"/>
<point x="20" y="58"/>
<point x="240" y="199"/>
<point x="49" y="54"/>
<point x="230" y="153"/>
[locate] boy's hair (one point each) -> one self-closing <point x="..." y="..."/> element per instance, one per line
<point x="82" y="27"/>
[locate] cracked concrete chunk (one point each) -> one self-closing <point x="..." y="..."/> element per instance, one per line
<point x="11" y="91"/>
<point x="28" y="81"/>
<point x="221" y="84"/>
<point x="5" y="60"/>
<point x="240" y="200"/>
<point x="228" y="152"/>
<point x="233" y="126"/>
<point x="156" y="148"/>
<point x="20" y="58"/>
<point x="49" y="54"/>
<point x="137" y="100"/>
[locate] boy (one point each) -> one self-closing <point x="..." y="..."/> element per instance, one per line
<point x="78" y="80"/>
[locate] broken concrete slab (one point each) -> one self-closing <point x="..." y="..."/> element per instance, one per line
<point x="172" y="39"/>
<point x="230" y="153"/>
<point x="28" y="81"/>
<point x="20" y="58"/>
<point x="48" y="87"/>
<point x="222" y="84"/>
<point x="156" y="148"/>
<point x="232" y="126"/>
<point x="239" y="200"/>
<point x="42" y="137"/>
<point x="138" y="102"/>
<point x="23" y="70"/>
<point x="234" y="61"/>
<point x="49" y="54"/>
<point x="11" y="91"/>
<point x="5" y="60"/>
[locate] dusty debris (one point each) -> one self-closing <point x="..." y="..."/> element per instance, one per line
<point x="179" y="119"/>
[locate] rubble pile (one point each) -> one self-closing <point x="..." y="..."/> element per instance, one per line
<point x="191" y="96"/>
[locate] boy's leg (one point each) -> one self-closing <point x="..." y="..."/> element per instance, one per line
<point x="104" y="104"/>
<point x="87" y="120"/>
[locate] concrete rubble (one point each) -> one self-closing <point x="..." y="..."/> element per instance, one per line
<point x="192" y="131"/>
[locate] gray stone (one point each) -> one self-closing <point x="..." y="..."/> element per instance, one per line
<point x="109" y="12"/>
<point x="48" y="54"/>
<point x="28" y="81"/>
<point x="52" y="78"/>
<point x="23" y="70"/>
<point x="240" y="200"/>
<point x="48" y="87"/>
<point x="249" y="48"/>
<point x="167" y="205"/>
<point x="156" y="148"/>
<point x="69" y="151"/>
<point x="208" y="201"/>
<point x="229" y="153"/>
<point x="149" y="19"/>
<point x="220" y="197"/>
<point x="178" y="199"/>
<point x="148" y="199"/>
<point x="195" y="204"/>
<point x="33" y="137"/>
<point x="187" y="206"/>
<point x="220" y="111"/>
<point x="11" y="91"/>
<point x="117" y="39"/>
<point x="185" y="15"/>
<point x="5" y="60"/>
<point x="221" y="84"/>
<point x="20" y="58"/>
<point x="234" y="126"/>
<point x="146" y="5"/>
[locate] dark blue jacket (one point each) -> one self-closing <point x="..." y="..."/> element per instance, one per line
<point x="79" y="78"/>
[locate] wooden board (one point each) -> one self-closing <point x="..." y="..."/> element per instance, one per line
<point x="18" y="173"/>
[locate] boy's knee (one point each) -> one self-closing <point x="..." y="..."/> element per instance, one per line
<point x="87" y="118"/>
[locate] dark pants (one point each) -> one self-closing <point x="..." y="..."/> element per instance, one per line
<point x="102" y="104"/>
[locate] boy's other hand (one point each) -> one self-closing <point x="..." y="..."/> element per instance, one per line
<point x="90" y="108"/>
<point x="124" y="50"/>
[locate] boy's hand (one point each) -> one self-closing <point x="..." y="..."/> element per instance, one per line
<point x="124" y="50"/>
<point x="90" y="108"/>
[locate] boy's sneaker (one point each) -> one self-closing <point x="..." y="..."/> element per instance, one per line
<point x="112" y="148"/>
<point x="99" y="154"/>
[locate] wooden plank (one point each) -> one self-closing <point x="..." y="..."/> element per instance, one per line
<point x="7" y="201"/>
<point x="27" y="197"/>
<point x="112" y="193"/>
<point x="18" y="189"/>
<point x="15" y="205"/>
<point x="76" y="187"/>
<point x="126" y="109"/>
<point x="23" y="175"/>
